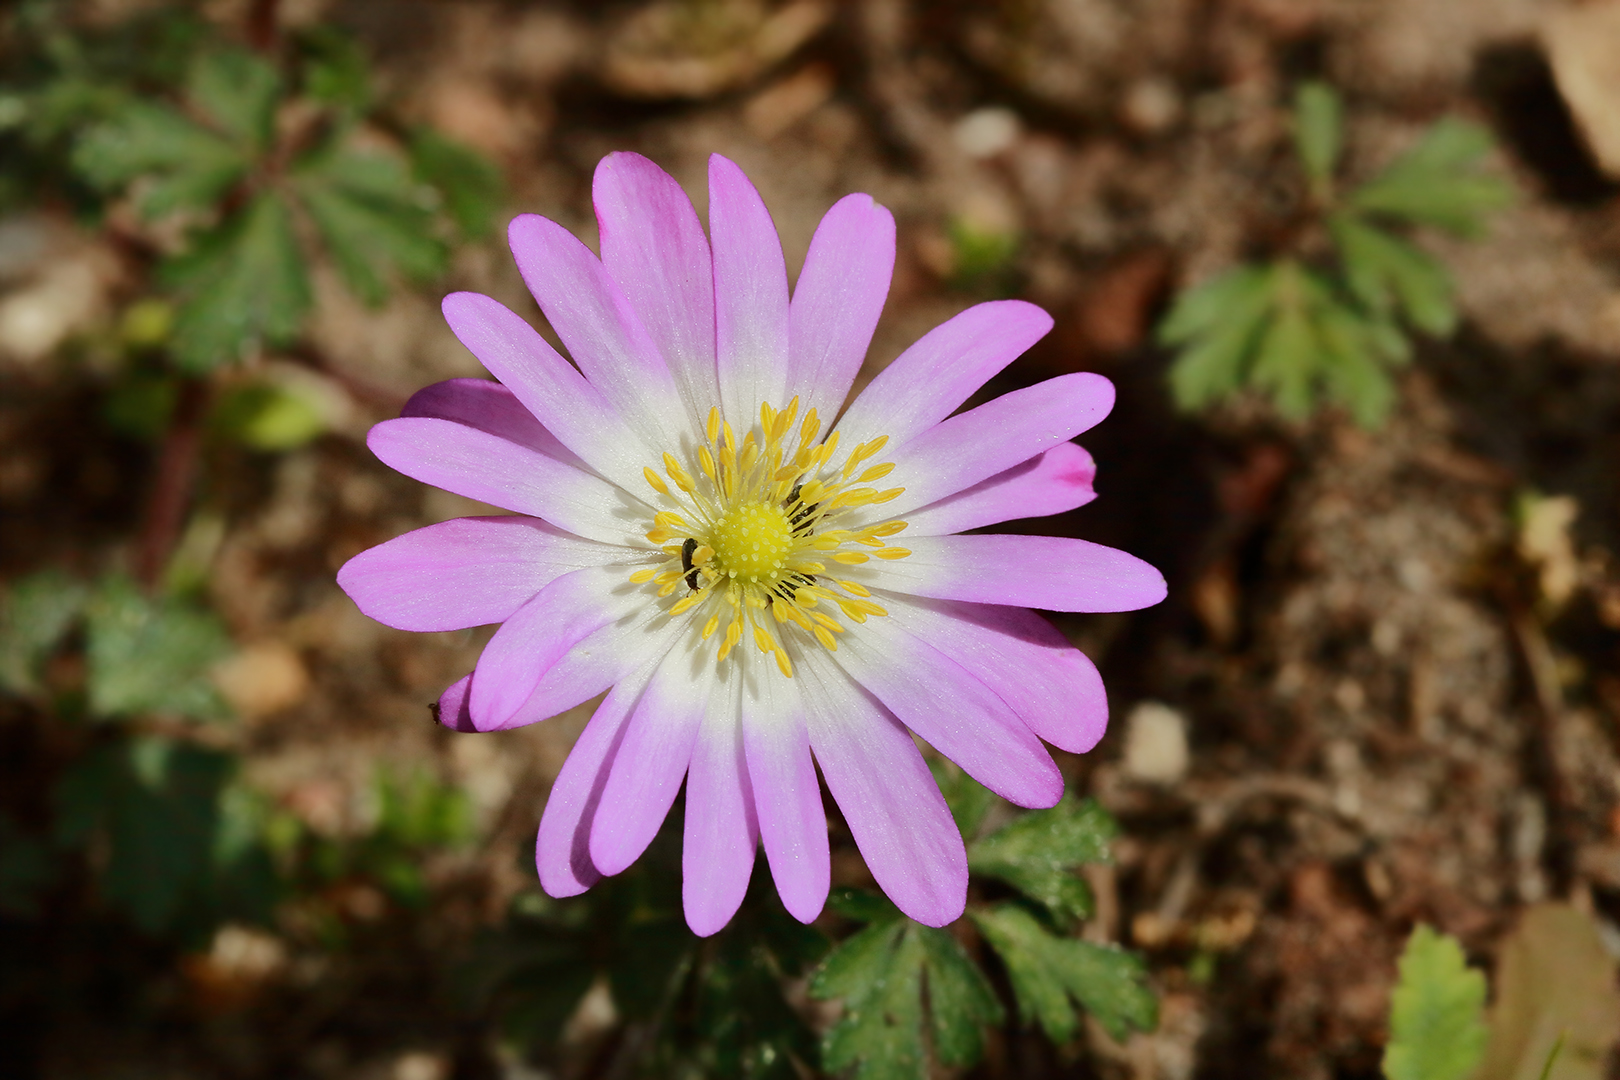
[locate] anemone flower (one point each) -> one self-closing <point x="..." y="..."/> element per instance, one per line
<point x="760" y="584"/>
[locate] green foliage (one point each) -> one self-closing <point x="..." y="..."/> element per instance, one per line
<point x="35" y="614"/>
<point x="265" y="416"/>
<point x="26" y="868"/>
<point x="151" y="656"/>
<point x="1037" y="853"/>
<point x="1301" y="331"/>
<point x="416" y="814"/>
<point x="469" y="183"/>
<point x="1049" y="973"/>
<point x="882" y="974"/>
<point x="1437" y="1024"/>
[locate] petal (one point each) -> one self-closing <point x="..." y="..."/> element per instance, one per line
<point x="466" y="572"/>
<point x="792" y="822"/>
<point x="837" y="301"/>
<point x="930" y="380"/>
<point x="549" y="387"/>
<point x="1052" y="686"/>
<point x="451" y="710"/>
<point x="954" y="712"/>
<point x="657" y="750"/>
<point x="653" y="246"/>
<point x="488" y="406"/>
<point x="750" y="296"/>
<point x="1051" y="483"/>
<point x="596" y="663"/>
<point x="562" y="848"/>
<point x="888" y="797"/>
<point x="1050" y="572"/>
<point x="959" y="452"/>
<point x="524" y="648"/>
<point x="486" y="467"/>
<point x="600" y="329"/>
<point x="721" y="831"/>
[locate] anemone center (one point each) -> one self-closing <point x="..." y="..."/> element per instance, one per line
<point x="752" y="542"/>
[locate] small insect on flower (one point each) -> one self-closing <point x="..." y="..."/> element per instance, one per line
<point x="695" y="536"/>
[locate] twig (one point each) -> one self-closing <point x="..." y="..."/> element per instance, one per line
<point x="171" y="490"/>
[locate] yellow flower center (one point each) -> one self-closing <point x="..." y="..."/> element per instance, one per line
<point x="751" y="543"/>
<point x="749" y="531"/>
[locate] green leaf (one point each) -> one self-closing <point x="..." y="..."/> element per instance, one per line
<point x="35" y="613"/>
<point x="880" y="973"/>
<point x="157" y="802"/>
<point x="1354" y="374"/>
<point x="1037" y="854"/>
<point x="1217" y="324"/>
<point x="1288" y="353"/>
<point x="1318" y="132"/>
<point x="1438" y="182"/>
<point x="1385" y="272"/>
<point x="265" y="416"/>
<point x="968" y="799"/>
<point x="371" y="216"/>
<point x="151" y="655"/>
<point x="469" y="184"/>
<point x="189" y="166"/>
<point x="335" y="69"/>
<point x="238" y="92"/>
<point x="1437" y="1024"/>
<point x="862" y="906"/>
<point x="242" y="284"/>
<point x="1049" y="973"/>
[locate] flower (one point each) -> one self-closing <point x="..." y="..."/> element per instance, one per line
<point x="698" y="538"/>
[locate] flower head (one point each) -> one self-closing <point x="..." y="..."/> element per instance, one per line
<point x="760" y="584"/>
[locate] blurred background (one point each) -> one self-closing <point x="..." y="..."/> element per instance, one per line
<point x="1354" y="266"/>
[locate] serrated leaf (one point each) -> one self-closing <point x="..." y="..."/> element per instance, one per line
<point x="1038" y="852"/>
<point x="157" y="800"/>
<point x="371" y="218"/>
<point x="1437" y="1024"/>
<point x="238" y="92"/>
<point x="1554" y="979"/>
<point x="1353" y="375"/>
<point x="1437" y="182"/>
<point x="35" y="613"/>
<point x="1211" y="305"/>
<point x="1218" y="325"/>
<point x="1387" y="273"/>
<point x="469" y="183"/>
<point x="187" y="165"/>
<point x="1050" y="973"/>
<point x="151" y="655"/>
<point x="960" y="1002"/>
<point x="862" y="906"/>
<point x="243" y="283"/>
<point x="1289" y="351"/>
<point x="1318" y="132"/>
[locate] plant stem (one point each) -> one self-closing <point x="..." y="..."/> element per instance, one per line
<point x="172" y="487"/>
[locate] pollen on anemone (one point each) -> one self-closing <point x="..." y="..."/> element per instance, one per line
<point x="760" y="584"/>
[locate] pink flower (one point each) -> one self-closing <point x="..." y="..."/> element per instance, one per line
<point x="697" y="537"/>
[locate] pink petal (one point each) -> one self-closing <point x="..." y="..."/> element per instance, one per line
<point x="599" y="327"/>
<point x="486" y="467"/>
<point x="596" y="663"/>
<point x="750" y="296"/>
<point x="488" y="406"/>
<point x="1057" y="480"/>
<point x="792" y="822"/>
<point x="1049" y="572"/>
<point x="1050" y="684"/>
<point x="930" y="380"/>
<point x="466" y="572"/>
<point x="837" y="301"/>
<point x="889" y="799"/>
<point x="953" y="711"/>
<point x="536" y="637"/>
<point x="973" y="446"/>
<point x="548" y="386"/>
<point x="721" y="832"/>
<point x="452" y="711"/>
<point x="647" y="773"/>
<point x="653" y="246"/>
<point x="562" y="848"/>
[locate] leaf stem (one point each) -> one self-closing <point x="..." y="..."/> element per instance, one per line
<point x="171" y="489"/>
